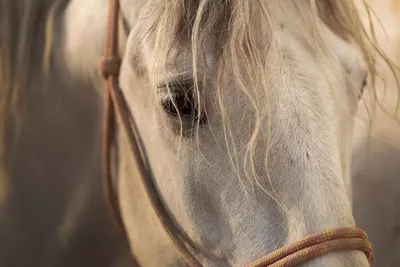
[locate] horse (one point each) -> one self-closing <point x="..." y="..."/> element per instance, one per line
<point x="52" y="211"/>
<point x="245" y="110"/>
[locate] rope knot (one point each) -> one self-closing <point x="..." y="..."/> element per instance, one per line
<point x="110" y="67"/>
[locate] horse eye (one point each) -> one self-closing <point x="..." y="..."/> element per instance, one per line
<point x="179" y="102"/>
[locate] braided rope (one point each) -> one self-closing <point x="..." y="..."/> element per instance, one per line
<point x="316" y="245"/>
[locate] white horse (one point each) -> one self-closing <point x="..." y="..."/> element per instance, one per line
<point x="52" y="210"/>
<point x="245" y="109"/>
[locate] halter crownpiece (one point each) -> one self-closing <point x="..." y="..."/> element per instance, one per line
<point x="292" y="255"/>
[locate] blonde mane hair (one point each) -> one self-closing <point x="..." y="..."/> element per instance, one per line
<point x="233" y="26"/>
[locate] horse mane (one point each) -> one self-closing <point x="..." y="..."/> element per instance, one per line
<point x="24" y="44"/>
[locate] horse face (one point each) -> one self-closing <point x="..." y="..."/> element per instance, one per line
<point x="246" y="118"/>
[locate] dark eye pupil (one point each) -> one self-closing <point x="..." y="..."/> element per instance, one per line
<point x="181" y="105"/>
<point x="180" y="101"/>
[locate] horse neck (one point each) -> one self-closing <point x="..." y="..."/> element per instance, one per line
<point x="57" y="151"/>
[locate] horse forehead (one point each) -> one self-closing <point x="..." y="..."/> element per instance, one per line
<point x="346" y="53"/>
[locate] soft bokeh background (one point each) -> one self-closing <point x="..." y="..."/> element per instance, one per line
<point x="376" y="160"/>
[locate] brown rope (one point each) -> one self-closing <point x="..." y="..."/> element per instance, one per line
<point x="316" y="245"/>
<point x="109" y="67"/>
<point x="115" y="105"/>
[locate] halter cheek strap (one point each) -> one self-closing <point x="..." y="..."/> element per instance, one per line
<point x="116" y="106"/>
<point x="292" y="255"/>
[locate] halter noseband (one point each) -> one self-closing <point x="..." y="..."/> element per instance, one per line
<point x="291" y="255"/>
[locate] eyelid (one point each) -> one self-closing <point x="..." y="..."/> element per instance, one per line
<point x="175" y="83"/>
<point x="177" y="78"/>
